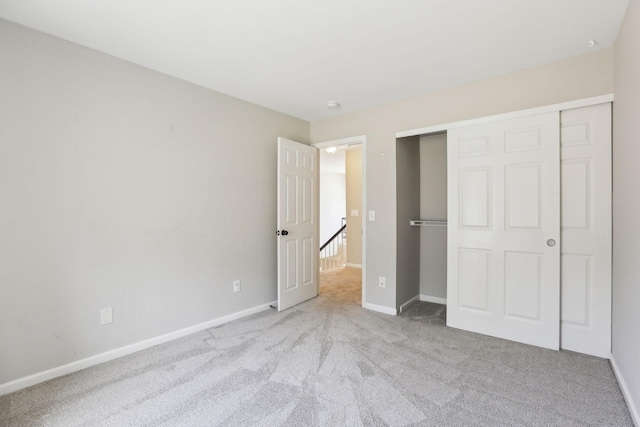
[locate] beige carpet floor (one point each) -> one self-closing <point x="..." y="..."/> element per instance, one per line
<point x="342" y="285"/>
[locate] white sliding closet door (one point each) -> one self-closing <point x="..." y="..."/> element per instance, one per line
<point x="586" y="230"/>
<point x="503" y="263"/>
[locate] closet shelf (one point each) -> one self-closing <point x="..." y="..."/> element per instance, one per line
<point x="428" y="222"/>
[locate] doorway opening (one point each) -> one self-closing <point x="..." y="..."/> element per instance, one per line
<point x="341" y="261"/>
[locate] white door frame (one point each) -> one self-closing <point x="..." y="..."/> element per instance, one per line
<point x="360" y="139"/>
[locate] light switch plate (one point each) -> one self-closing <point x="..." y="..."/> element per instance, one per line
<point x="372" y="215"/>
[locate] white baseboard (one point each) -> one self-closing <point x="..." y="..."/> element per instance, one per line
<point x="633" y="409"/>
<point x="354" y="265"/>
<point x="381" y="309"/>
<point x="437" y="300"/>
<point x="81" y="364"/>
<point x="403" y="306"/>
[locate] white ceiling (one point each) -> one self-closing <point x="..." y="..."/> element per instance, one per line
<point x="295" y="55"/>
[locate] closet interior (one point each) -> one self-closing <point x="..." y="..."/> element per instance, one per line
<point x="421" y="165"/>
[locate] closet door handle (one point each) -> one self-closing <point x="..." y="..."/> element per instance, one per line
<point x="551" y="243"/>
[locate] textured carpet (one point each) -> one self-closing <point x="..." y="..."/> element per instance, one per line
<point x="329" y="362"/>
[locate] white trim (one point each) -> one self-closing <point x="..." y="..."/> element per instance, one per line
<point x="354" y="265"/>
<point x="381" y="309"/>
<point x="633" y="409"/>
<point x="360" y="139"/>
<point x="364" y="219"/>
<point x="363" y="138"/>
<point x="81" y="364"/>
<point x="507" y="116"/>
<point x="403" y="306"/>
<point x="342" y="141"/>
<point x="437" y="300"/>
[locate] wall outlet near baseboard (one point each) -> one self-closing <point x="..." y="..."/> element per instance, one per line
<point x="236" y="286"/>
<point x="106" y="316"/>
<point x="381" y="282"/>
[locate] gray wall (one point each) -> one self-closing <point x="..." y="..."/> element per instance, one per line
<point x="565" y="80"/>
<point x="124" y="188"/>
<point x="408" y="203"/>
<point x="433" y="205"/>
<point x="626" y="206"/>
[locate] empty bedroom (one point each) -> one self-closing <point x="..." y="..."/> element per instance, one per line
<point x="180" y="247"/>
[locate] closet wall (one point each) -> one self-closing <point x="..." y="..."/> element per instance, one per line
<point x="433" y="205"/>
<point x="408" y="202"/>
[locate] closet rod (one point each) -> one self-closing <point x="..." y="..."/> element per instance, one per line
<point x="428" y="222"/>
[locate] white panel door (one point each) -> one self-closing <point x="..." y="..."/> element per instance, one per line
<point x="586" y="230"/>
<point x="503" y="262"/>
<point x="297" y="223"/>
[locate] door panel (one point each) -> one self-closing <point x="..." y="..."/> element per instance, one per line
<point x="523" y="196"/>
<point x="307" y="261"/>
<point x="475" y="198"/>
<point x="297" y="223"/>
<point x="576" y="194"/>
<point x="307" y="200"/>
<point x="522" y="285"/>
<point x="475" y="277"/>
<point x="503" y="278"/>
<point x="576" y="278"/>
<point x="586" y="230"/>
<point x="291" y="260"/>
<point x="291" y="201"/>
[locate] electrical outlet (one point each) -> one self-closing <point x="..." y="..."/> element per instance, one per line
<point x="236" y="286"/>
<point x="381" y="282"/>
<point x="106" y="316"/>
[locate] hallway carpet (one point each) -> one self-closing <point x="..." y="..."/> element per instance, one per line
<point x="328" y="362"/>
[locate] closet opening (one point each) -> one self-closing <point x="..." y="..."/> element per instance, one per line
<point x="421" y="197"/>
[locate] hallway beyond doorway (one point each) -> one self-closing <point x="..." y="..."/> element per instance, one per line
<point x="343" y="284"/>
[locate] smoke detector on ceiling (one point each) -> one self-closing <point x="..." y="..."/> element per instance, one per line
<point x="333" y="105"/>
<point x="592" y="43"/>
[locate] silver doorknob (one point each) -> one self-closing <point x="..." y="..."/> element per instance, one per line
<point x="551" y="242"/>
